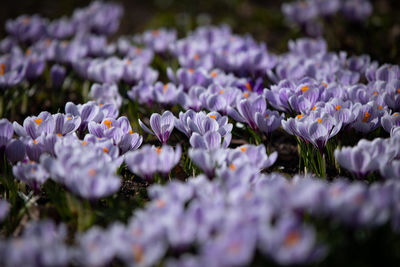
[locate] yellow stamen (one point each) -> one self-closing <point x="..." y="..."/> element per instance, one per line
<point x="130" y="131"/>
<point x="305" y="88"/>
<point x="38" y="121"/>
<point x="158" y="150"/>
<point x="138" y="253"/>
<point x="92" y="172"/>
<point x="232" y="167"/>
<point x="221" y="91"/>
<point x="366" y="116"/>
<point x="243" y="148"/>
<point x="319" y="120"/>
<point x="105" y="150"/>
<point x="266" y="115"/>
<point x="68" y="117"/>
<point x="160" y="203"/>
<point x="248" y="86"/>
<point x="100" y="105"/>
<point x="299" y="116"/>
<point x="396" y="114"/>
<point x="214" y="74"/>
<point x="213" y="117"/>
<point x="292" y="238"/>
<point x="246" y="95"/>
<point x="108" y="123"/>
<point x="338" y="107"/>
<point x="398" y="90"/>
<point x="2" y="69"/>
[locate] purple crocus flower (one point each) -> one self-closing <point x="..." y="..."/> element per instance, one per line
<point x="12" y="70"/>
<point x="34" y="126"/>
<point x="61" y="28"/>
<point x="158" y="39"/>
<point x="207" y="160"/>
<point x="31" y="173"/>
<point x="57" y="74"/>
<point x="357" y="9"/>
<point x="162" y="125"/>
<point x="142" y="93"/>
<point x="252" y="155"/>
<point x="6" y="132"/>
<point x="211" y="140"/>
<point x="119" y="131"/>
<point x="149" y="160"/>
<point x="166" y="94"/>
<point x="357" y="160"/>
<point x="391" y="170"/>
<point x="192" y="99"/>
<point x="106" y="94"/>
<point x="27" y="28"/>
<point x="15" y="151"/>
<point x="85" y="170"/>
<point x="66" y="124"/>
<point x="389" y="121"/>
<point x="201" y="123"/>
<point x="188" y="77"/>
<point x="316" y="128"/>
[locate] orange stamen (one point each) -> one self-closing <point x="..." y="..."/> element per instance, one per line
<point x="130" y="131"/>
<point x="2" y="69"/>
<point x="35" y="141"/>
<point x="108" y="123"/>
<point x="248" y="86"/>
<point x="380" y="107"/>
<point x="319" y="120"/>
<point x="325" y="84"/>
<point x="292" y="239"/>
<point x="214" y="74"/>
<point x="84" y="143"/>
<point x="138" y="253"/>
<point x="314" y="108"/>
<point x="158" y="150"/>
<point x="243" y="148"/>
<point x="105" y="150"/>
<point x="196" y="56"/>
<point x="190" y="70"/>
<point x="165" y="88"/>
<point x="38" y="121"/>
<point x="375" y="92"/>
<point x="221" y="91"/>
<point x="246" y="95"/>
<point x="92" y="172"/>
<point x="59" y="135"/>
<point x="366" y="116"/>
<point x="299" y="116"/>
<point x="68" y="117"/>
<point x="213" y="117"/>
<point x="232" y="167"/>
<point x="338" y="107"/>
<point x="305" y="88"/>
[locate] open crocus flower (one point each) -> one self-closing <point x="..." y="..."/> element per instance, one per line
<point x="188" y="77"/>
<point x="211" y="140"/>
<point x="35" y="126"/>
<point x="316" y="128"/>
<point x="389" y="121"/>
<point x="149" y="160"/>
<point x="119" y="131"/>
<point x="166" y="94"/>
<point x="31" y="173"/>
<point x="255" y="156"/>
<point x="85" y="170"/>
<point x="106" y="94"/>
<point x="66" y="124"/>
<point x="162" y="125"/>
<point x="191" y="122"/>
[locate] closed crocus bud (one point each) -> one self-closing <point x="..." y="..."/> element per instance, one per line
<point x="57" y="73"/>
<point x="15" y="151"/>
<point x="6" y="132"/>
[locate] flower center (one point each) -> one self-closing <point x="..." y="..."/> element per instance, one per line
<point x="314" y="108"/>
<point x="59" y="134"/>
<point x="305" y="88"/>
<point x="246" y="95"/>
<point x="158" y="150"/>
<point x="299" y="116"/>
<point x="325" y="84"/>
<point x="243" y="149"/>
<point x="165" y="88"/>
<point x="214" y="74"/>
<point x="232" y="167"/>
<point x="248" y="86"/>
<point x="375" y="92"/>
<point x="319" y="120"/>
<point x="38" y="121"/>
<point x="84" y="143"/>
<point x="105" y="150"/>
<point x="196" y="56"/>
<point x="190" y="70"/>
<point x="338" y="107"/>
<point x="380" y="107"/>
<point x="3" y="69"/>
<point x="292" y="239"/>
<point x="213" y="117"/>
<point x="92" y="172"/>
<point x="108" y="123"/>
<point x="221" y="91"/>
<point x="366" y="116"/>
<point x="130" y="131"/>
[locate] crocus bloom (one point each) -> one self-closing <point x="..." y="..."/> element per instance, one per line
<point x="149" y="160"/>
<point x="31" y="173"/>
<point x="106" y="94"/>
<point x="57" y="73"/>
<point x="6" y="132"/>
<point x="35" y="126"/>
<point x="119" y="131"/>
<point x="162" y="125"/>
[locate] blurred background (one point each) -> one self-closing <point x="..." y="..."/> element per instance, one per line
<point x="378" y="36"/>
